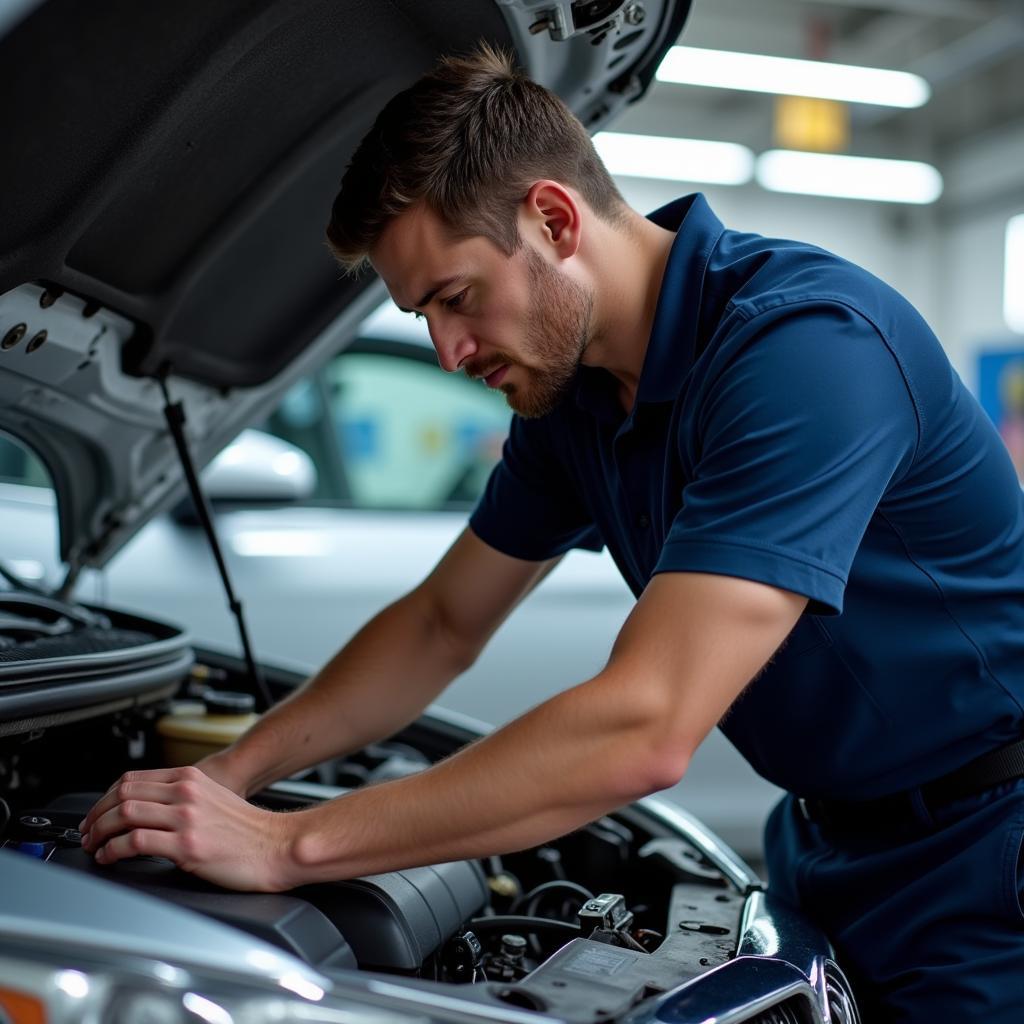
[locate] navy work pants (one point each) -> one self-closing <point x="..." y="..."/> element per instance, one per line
<point x="927" y="917"/>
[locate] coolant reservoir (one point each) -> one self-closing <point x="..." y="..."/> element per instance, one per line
<point x="195" y="728"/>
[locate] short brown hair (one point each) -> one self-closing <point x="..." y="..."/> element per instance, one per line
<point x="469" y="139"/>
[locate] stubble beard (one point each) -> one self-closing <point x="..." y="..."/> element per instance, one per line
<point x="557" y="333"/>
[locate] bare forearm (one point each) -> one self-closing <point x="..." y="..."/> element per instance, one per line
<point x="565" y="763"/>
<point x="376" y="684"/>
<point x="683" y="657"/>
<point x="686" y="652"/>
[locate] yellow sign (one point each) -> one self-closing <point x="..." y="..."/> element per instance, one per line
<point x="802" y="122"/>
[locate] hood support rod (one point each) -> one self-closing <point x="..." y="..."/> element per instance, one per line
<point x="174" y="413"/>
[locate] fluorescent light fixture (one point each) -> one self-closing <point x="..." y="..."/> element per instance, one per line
<point x="785" y="76"/>
<point x="656" y="156"/>
<point x="848" y="177"/>
<point x="1013" y="274"/>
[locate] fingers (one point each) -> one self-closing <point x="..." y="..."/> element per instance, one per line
<point x="141" y="842"/>
<point x="202" y="828"/>
<point x="157" y="783"/>
<point x="132" y="814"/>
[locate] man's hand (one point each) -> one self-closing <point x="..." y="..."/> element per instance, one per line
<point x="184" y="815"/>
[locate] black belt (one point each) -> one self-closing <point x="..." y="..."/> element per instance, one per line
<point x="982" y="773"/>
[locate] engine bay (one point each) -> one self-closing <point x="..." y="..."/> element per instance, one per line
<point x="584" y="927"/>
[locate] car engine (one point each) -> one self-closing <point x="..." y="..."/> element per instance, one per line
<point x="585" y="927"/>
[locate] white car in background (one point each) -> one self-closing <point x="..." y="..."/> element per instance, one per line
<point x="372" y="468"/>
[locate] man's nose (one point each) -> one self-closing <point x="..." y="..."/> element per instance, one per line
<point x="452" y="344"/>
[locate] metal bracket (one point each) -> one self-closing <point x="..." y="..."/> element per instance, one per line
<point x="563" y="19"/>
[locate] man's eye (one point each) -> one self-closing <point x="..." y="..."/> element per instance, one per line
<point x="456" y="300"/>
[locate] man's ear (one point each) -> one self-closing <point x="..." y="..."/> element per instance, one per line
<point x="551" y="219"/>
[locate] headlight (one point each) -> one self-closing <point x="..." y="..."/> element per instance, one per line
<point x="69" y="986"/>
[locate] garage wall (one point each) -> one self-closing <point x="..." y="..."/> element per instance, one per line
<point x="985" y="188"/>
<point x="947" y="259"/>
<point x="896" y="243"/>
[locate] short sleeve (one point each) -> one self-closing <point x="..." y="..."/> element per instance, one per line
<point x="805" y="422"/>
<point x="530" y="507"/>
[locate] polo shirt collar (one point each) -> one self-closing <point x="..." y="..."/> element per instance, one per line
<point x="673" y="339"/>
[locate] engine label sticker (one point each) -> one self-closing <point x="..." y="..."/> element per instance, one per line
<point x="599" y="962"/>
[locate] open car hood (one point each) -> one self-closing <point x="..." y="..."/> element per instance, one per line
<point x="168" y="174"/>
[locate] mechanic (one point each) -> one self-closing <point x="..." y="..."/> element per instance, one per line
<point x="797" y="487"/>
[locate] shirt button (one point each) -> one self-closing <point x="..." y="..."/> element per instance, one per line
<point x="643" y="520"/>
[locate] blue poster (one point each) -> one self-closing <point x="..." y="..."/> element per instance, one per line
<point x="1001" y="393"/>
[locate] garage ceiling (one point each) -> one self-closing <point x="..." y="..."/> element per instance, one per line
<point x="970" y="51"/>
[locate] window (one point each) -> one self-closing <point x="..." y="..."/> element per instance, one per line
<point x="410" y="435"/>
<point x="29" y="513"/>
<point x="387" y="429"/>
<point x="19" y="466"/>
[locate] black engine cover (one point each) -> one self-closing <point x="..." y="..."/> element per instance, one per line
<point x="393" y="921"/>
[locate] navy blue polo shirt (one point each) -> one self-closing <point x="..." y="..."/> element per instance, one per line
<point x="797" y="423"/>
